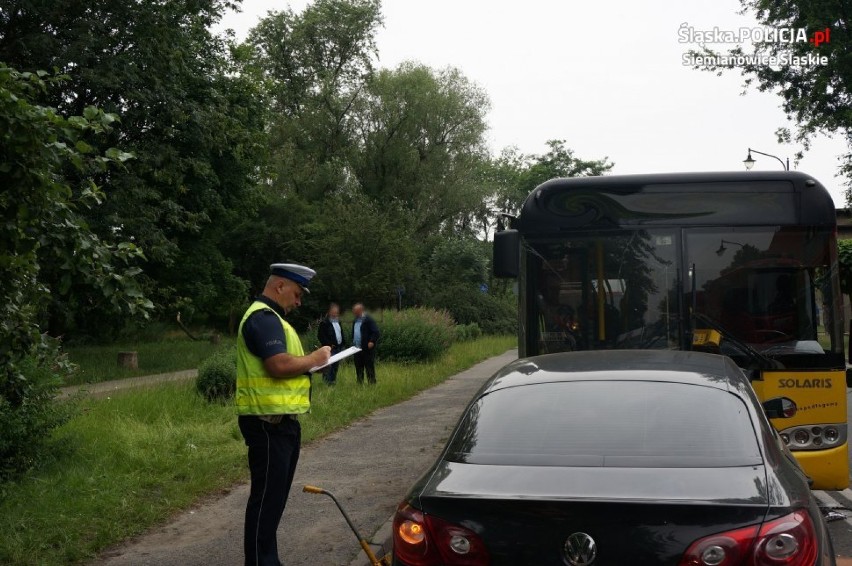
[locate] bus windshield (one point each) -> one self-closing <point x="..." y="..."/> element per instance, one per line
<point x="606" y="290"/>
<point x="767" y="287"/>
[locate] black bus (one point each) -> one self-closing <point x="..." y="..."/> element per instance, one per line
<point x="743" y="264"/>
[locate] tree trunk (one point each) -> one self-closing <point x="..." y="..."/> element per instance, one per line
<point x="128" y="360"/>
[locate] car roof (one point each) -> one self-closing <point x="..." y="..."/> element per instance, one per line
<point x="674" y="366"/>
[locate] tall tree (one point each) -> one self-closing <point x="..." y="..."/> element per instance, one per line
<point x="422" y="140"/>
<point x="314" y="66"/>
<point x="816" y="95"/>
<point x="193" y="122"/>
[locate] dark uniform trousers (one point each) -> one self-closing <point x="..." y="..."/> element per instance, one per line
<point x="273" y="452"/>
<point x="365" y="360"/>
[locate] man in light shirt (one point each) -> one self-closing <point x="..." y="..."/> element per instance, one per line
<point x="365" y="335"/>
<point x="330" y="334"/>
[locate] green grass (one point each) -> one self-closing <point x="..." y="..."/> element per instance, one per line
<point x="99" y="363"/>
<point x="129" y="462"/>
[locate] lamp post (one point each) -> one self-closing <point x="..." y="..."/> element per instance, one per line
<point x="749" y="161"/>
<point x="722" y="249"/>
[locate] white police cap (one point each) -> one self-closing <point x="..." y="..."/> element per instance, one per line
<point x="295" y="272"/>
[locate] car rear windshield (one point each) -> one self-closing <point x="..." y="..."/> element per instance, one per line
<point x="643" y="424"/>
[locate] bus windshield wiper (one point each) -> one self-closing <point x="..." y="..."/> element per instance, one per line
<point x="763" y="361"/>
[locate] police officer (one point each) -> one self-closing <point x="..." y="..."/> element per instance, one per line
<point x="273" y="388"/>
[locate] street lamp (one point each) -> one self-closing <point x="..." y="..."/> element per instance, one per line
<point x="722" y="249"/>
<point x="749" y="161"/>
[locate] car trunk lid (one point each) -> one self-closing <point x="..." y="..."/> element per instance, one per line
<point x="525" y="515"/>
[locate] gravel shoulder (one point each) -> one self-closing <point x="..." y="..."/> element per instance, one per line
<point x="369" y="466"/>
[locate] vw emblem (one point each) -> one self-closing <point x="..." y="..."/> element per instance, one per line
<point x="580" y="550"/>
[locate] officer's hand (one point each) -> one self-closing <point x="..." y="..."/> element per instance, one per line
<point x="321" y="355"/>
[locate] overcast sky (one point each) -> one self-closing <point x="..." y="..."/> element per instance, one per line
<point x="605" y="76"/>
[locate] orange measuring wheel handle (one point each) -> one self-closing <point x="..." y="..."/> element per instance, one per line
<point x="365" y="545"/>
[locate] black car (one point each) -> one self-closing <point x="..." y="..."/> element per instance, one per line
<point x="614" y="458"/>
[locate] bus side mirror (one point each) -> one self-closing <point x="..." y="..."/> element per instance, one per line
<point x="780" y="408"/>
<point x="507" y="254"/>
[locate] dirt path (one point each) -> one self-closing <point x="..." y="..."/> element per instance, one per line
<point x="105" y="388"/>
<point x="369" y="466"/>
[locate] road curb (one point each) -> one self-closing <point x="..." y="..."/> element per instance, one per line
<point x="383" y="538"/>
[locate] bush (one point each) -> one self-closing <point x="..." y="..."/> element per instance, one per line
<point x="467" y="332"/>
<point x="28" y="410"/>
<point x="217" y="376"/>
<point x="415" y="335"/>
<point x="467" y="304"/>
<point x="502" y="318"/>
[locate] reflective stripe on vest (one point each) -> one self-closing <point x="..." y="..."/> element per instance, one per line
<point x="258" y="393"/>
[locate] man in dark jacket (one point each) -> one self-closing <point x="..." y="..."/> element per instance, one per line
<point x="365" y="335"/>
<point x="330" y="333"/>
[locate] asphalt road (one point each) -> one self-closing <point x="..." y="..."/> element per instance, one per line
<point x="368" y="465"/>
<point x="841" y="531"/>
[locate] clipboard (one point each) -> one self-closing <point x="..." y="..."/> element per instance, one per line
<point x="337" y="357"/>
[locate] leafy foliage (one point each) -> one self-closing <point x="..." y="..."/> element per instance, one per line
<point x="467" y="332"/>
<point x="362" y="251"/>
<point x="415" y="335"/>
<point x="48" y="252"/>
<point x="28" y="410"/>
<point x="459" y="260"/>
<point x="817" y="97"/>
<point x="494" y="314"/>
<point x="422" y="137"/>
<point x="313" y="67"/>
<point x="457" y="269"/>
<point x="192" y="120"/>
<point x="844" y="256"/>
<point x="217" y="376"/>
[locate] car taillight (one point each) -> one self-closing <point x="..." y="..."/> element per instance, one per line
<point x="788" y="541"/>
<point x="723" y="549"/>
<point x="457" y="545"/>
<point x="411" y="545"/>
<point x="423" y="540"/>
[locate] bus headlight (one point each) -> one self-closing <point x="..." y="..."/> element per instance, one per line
<point x="831" y="435"/>
<point x="814" y="437"/>
<point x="801" y="437"/>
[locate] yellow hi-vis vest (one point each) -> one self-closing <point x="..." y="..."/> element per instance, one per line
<point x="258" y="393"/>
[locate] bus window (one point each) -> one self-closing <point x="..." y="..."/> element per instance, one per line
<point x="604" y="291"/>
<point x="765" y="286"/>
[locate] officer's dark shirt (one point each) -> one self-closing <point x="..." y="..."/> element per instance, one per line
<point x="263" y="332"/>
